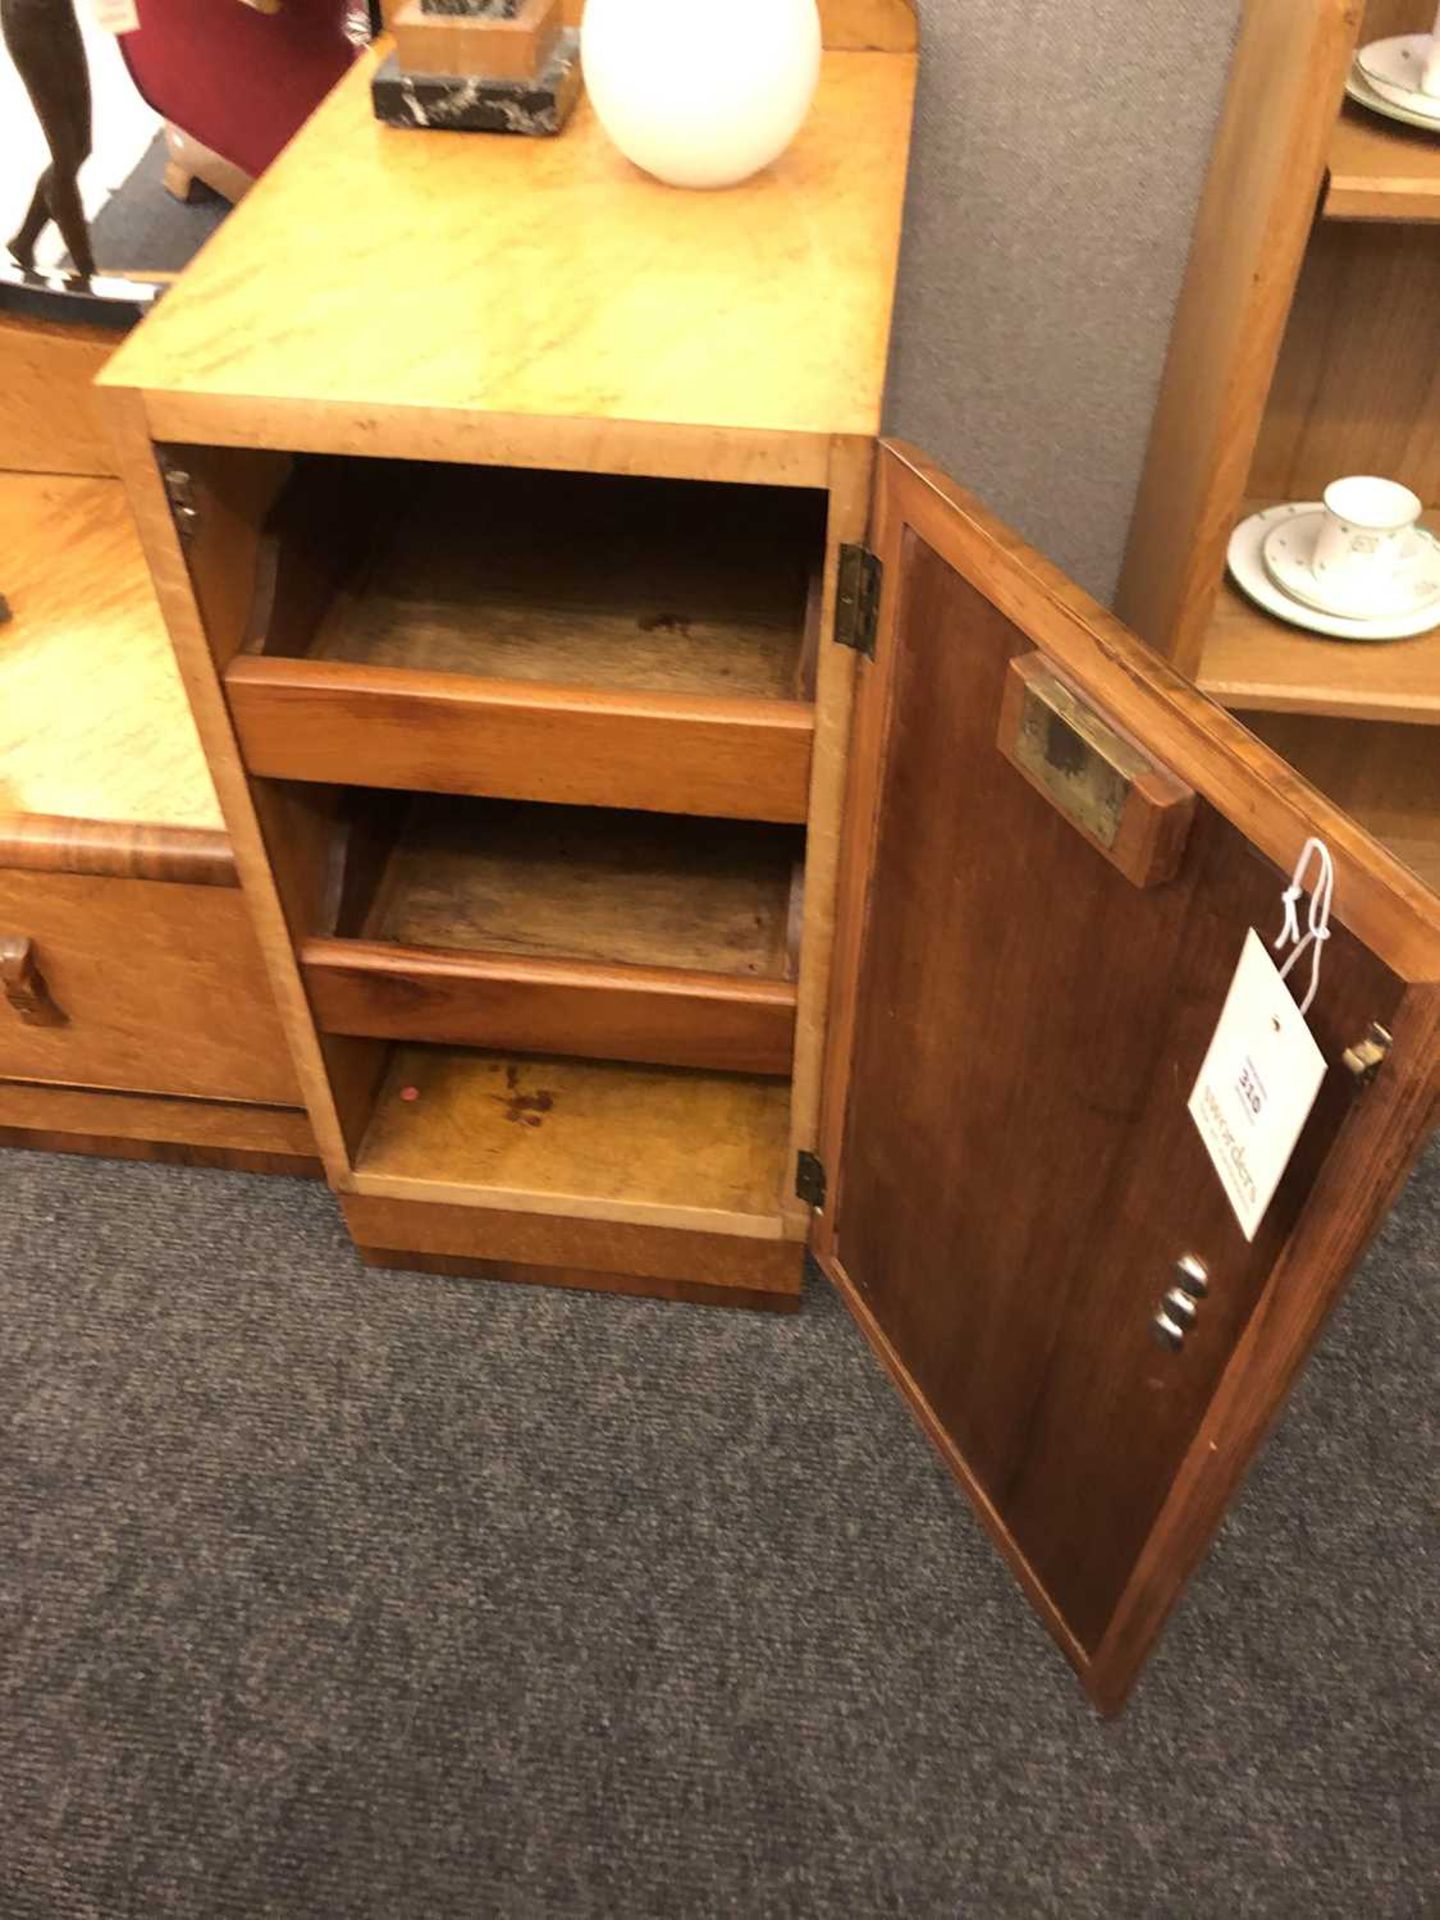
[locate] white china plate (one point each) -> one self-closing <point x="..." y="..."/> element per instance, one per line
<point x="1247" y="569"/>
<point x="1288" y="552"/>
<point x="1394" y="69"/>
<point x="1361" y="91"/>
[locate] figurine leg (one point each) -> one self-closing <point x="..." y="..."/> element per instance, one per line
<point x="44" y="41"/>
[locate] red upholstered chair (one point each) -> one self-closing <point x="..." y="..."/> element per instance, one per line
<point x="233" y="80"/>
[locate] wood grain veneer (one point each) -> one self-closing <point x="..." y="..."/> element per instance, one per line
<point x="1357" y="386"/>
<point x="123" y="850"/>
<point x="581" y="580"/>
<point x="602" y="934"/>
<point x="50" y="420"/>
<point x="653" y="1015"/>
<point x="160" y="985"/>
<point x="93" y="720"/>
<point x="555" y="1249"/>
<point x="584" y="884"/>
<point x="690" y="1293"/>
<point x="1385" y="776"/>
<point x="1379" y="170"/>
<point x="128" y="1126"/>
<point x="621" y="337"/>
<point x="580" y="1138"/>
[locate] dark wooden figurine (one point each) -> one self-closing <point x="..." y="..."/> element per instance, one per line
<point x="44" y="41"/>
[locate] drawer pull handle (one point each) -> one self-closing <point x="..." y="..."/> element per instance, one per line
<point x="24" y="983"/>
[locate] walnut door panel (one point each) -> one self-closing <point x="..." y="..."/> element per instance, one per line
<point x="1022" y="1258"/>
<point x="1016" y="1027"/>
<point x="153" y="987"/>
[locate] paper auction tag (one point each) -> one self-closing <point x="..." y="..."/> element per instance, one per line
<point x="115" y="16"/>
<point x="1257" y="1085"/>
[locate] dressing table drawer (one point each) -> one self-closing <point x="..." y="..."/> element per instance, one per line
<point x="135" y="984"/>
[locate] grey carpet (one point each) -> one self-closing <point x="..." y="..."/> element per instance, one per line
<point x="326" y="1592"/>
<point x="143" y="229"/>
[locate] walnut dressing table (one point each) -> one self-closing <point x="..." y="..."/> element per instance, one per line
<point x="136" y="1017"/>
<point x="680" y="830"/>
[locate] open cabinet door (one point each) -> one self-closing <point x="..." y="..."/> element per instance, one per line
<point x="1054" y="850"/>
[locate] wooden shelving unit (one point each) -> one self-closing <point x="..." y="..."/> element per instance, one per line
<point x="1306" y="346"/>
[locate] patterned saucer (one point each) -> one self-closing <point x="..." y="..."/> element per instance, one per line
<point x="1364" y="95"/>
<point x="1247" y="569"/>
<point x="1288" y="551"/>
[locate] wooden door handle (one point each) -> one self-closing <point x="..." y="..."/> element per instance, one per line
<point x="24" y="983"/>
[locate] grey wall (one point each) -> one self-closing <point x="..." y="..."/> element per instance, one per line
<point x="1060" y="147"/>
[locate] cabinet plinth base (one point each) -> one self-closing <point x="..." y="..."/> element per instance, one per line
<point x="561" y="1250"/>
<point x="139" y="1126"/>
<point x="693" y="1293"/>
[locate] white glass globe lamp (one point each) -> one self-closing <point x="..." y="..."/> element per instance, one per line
<point x="701" y="93"/>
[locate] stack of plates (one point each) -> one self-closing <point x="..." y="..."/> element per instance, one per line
<point x="1269" y="558"/>
<point x="1387" y="76"/>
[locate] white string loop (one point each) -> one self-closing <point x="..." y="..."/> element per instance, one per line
<point x="1317" y="930"/>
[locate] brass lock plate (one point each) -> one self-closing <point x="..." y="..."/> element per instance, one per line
<point x="1124" y="803"/>
<point x="1083" y="764"/>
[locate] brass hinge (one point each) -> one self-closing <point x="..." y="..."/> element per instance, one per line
<point x="1367" y="1056"/>
<point x="810" y="1179"/>
<point x="180" y="492"/>
<point x="857" y="603"/>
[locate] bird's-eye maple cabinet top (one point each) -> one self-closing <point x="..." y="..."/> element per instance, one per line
<point x="542" y="301"/>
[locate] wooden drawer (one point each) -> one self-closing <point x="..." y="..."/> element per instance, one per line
<point x="140" y="985"/>
<point x="557" y="637"/>
<point x="612" y="936"/>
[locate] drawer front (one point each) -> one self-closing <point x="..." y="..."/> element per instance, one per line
<point x="657" y="1016"/>
<point x="441" y="733"/>
<point x="138" y="985"/>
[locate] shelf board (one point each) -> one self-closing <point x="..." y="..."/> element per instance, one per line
<point x="1380" y="170"/>
<point x="94" y="723"/>
<point x="556" y="883"/>
<point x="659" y="1146"/>
<point x="1253" y="661"/>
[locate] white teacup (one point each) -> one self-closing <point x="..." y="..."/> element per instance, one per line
<point x="1364" y="538"/>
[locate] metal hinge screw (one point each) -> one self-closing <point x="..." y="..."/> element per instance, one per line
<point x="180" y="491"/>
<point x="810" y="1180"/>
<point x="1367" y="1056"/>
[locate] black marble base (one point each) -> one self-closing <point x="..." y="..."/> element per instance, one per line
<point x="474" y="9"/>
<point x="455" y="105"/>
